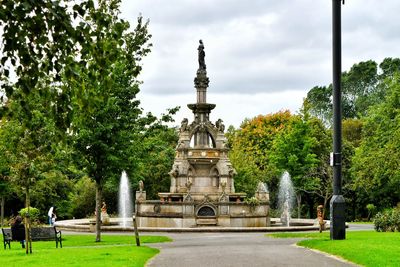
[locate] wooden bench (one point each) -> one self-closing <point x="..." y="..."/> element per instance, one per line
<point x="37" y="234"/>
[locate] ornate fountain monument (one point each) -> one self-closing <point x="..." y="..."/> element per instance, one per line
<point x="202" y="191"/>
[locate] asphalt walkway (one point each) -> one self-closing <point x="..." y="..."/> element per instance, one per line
<point x="236" y="249"/>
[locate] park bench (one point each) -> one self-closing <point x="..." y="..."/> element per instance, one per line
<point x="37" y="234"/>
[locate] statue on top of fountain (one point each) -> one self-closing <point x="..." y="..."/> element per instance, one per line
<point x="202" y="54"/>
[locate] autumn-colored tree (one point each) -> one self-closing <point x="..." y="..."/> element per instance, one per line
<point x="250" y="149"/>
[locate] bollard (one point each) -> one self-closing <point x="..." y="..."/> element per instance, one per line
<point x="136" y="231"/>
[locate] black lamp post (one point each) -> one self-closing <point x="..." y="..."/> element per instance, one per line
<point x="337" y="205"/>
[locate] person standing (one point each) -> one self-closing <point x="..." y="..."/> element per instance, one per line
<point x="50" y="215"/>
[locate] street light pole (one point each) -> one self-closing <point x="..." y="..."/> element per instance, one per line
<point x="337" y="204"/>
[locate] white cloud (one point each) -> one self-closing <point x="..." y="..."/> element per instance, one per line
<point x="257" y="52"/>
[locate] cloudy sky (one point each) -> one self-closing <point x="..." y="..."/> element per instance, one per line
<point x="262" y="56"/>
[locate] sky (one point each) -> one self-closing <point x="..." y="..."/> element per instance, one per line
<point x="262" y="56"/>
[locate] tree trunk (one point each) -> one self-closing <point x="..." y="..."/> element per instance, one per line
<point x="354" y="206"/>
<point x="298" y="197"/>
<point x="98" y="212"/>
<point x="310" y="203"/>
<point x="2" y="211"/>
<point x="28" y="241"/>
<point x="326" y="199"/>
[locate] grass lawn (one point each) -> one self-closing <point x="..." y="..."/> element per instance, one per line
<point x="81" y="250"/>
<point x="367" y="248"/>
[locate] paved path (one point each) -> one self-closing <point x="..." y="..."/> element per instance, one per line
<point x="360" y="227"/>
<point x="236" y="249"/>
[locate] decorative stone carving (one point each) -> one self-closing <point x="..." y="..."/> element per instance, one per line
<point x="188" y="184"/>
<point x="223" y="197"/>
<point x="105" y="218"/>
<point x="261" y="188"/>
<point x="220" y="126"/>
<point x="141" y="194"/>
<point x="201" y="81"/>
<point x="184" y="125"/>
<point x="181" y="144"/>
<point x="141" y="186"/>
<point x="232" y="172"/>
<point x="175" y="171"/>
<point x="188" y="197"/>
<point x="223" y="186"/>
<point x="262" y="192"/>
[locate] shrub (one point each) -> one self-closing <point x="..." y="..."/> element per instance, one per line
<point x="387" y="221"/>
<point x="34" y="214"/>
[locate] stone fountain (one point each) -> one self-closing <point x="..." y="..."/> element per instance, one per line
<point x="202" y="191"/>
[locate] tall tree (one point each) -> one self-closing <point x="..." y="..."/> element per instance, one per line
<point x="295" y="150"/>
<point x="106" y="113"/>
<point x="5" y="162"/>
<point x="31" y="138"/>
<point x="362" y="87"/>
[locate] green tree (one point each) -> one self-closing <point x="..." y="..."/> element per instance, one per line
<point x="30" y="134"/>
<point x="362" y="87"/>
<point x="37" y="39"/>
<point x="376" y="160"/>
<point x="157" y="153"/>
<point x="106" y="114"/>
<point x="295" y="150"/>
<point x="4" y="170"/>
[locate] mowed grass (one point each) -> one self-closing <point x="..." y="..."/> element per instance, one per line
<point x="81" y="250"/>
<point x="367" y="248"/>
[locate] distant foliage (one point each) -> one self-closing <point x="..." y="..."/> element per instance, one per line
<point x="388" y="220"/>
<point x="82" y="198"/>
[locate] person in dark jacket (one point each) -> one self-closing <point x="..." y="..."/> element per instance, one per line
<point x="18" y="231"/>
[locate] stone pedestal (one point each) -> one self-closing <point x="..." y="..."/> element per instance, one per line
<point x="105" y="219"/>
<point x="140" y="195"/>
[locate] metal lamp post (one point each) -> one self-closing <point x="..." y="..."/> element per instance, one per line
<point x="337" y="204"/>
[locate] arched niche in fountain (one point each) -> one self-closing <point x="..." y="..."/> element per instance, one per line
<point x="205" y="140"/>
<point x="206" y="211"/>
